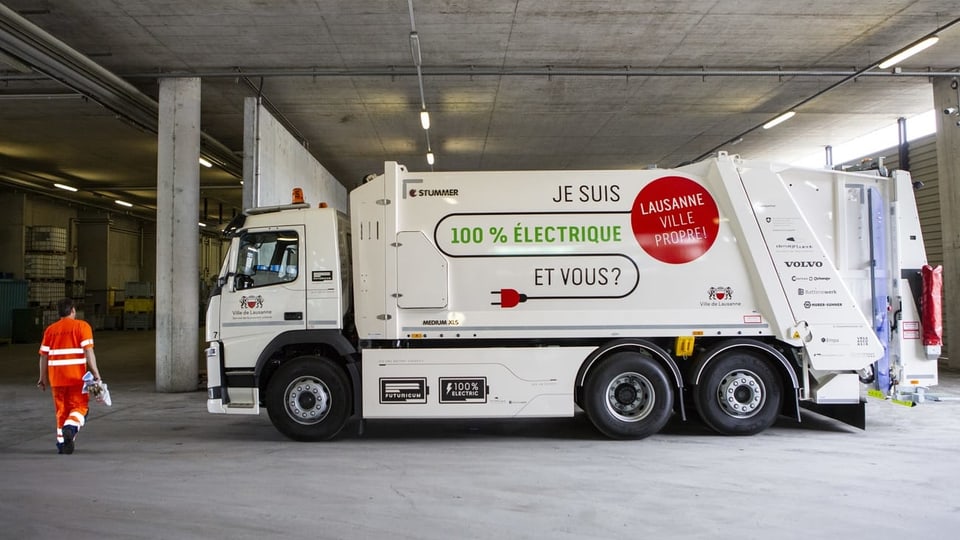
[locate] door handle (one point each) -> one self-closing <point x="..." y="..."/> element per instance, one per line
<point x="293" y="316"/>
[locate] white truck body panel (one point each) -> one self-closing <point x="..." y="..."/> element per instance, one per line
<point x="575" y="288"/>
<point x="475" y="382"/>
<point x="615" y="286"/>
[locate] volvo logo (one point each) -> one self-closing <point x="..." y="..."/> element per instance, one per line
<point x="803" y="264"/>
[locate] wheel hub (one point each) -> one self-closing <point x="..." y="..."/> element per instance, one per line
<point x="626" y="394"/>
<point x="308" y="400"/>
<point x="741" y="393"/>
<point x="630" y="397"/>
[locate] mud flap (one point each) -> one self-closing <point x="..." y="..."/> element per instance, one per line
<point x="852" y="414"/>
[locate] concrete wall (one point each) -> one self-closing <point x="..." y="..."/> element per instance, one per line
<point x="113" y="247"/>
<point x="93" y="233"/>
<point x="21" y="210"/>
<point x="946" y="93"/>
<point x="275" y="163"/>
<point x="12" y="233"/>
<point x="132" y="252"/>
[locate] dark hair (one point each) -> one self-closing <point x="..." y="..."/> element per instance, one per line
<point x="65" y="306"/>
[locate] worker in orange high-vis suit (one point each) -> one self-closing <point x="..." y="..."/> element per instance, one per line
<point x="66" y="354"/>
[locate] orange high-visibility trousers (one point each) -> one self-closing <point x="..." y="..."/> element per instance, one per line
<point x="72" y="406"/>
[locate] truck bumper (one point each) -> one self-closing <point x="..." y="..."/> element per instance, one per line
<point x="215" y="406"/>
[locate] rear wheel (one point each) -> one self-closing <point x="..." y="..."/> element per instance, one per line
<point x="309" y="399"/>
<point x="739" y="394"/>
<point x="628" y="396"/>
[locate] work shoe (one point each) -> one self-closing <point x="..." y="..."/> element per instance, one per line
<point x="69" y="432"/>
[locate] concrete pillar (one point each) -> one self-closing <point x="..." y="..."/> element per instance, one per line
<point x="178" y="208"/>
<point x="946" y="94"/>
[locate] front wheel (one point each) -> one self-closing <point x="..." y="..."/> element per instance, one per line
<point x="738" y="394"/>
<point x="628" y="396"/>
<point x="309" y="399"/>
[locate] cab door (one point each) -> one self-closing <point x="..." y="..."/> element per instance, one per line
<point x="266" y="294"/>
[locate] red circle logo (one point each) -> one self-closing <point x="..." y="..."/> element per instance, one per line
<point x="675" y="220"/>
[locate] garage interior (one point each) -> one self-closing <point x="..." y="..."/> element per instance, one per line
<point x="507" y="85"/>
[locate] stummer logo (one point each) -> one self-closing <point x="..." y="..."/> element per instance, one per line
<point x="413" y="192"/>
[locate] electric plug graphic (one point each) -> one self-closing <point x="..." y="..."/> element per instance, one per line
<point x="509" y="298"/>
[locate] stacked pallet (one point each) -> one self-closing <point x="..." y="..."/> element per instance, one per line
<point x="44" y="264"/>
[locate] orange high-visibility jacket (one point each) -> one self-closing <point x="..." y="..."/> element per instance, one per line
<point x="64" y="342"/>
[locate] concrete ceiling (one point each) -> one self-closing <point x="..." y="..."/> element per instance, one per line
<point x="510" y="84"/>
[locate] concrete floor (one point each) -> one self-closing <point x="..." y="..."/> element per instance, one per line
<point x="158" y="466"/>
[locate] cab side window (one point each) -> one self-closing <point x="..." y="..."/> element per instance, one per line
<point x="267" y="258"/>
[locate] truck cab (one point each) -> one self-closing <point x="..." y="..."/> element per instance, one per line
<point x="283" y="291"/>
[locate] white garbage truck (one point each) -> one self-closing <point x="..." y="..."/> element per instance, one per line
<point x="739" y="289"/>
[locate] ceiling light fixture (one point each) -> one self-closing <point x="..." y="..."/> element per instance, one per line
<point x="780" y="119"/>
<point x="417" y="57"/>
<point x="202" y="224"/>
<point x="68" y="188"/>
<point x="124" y="203"/>
<point x="908" y="52"/>
<point x="415" y="48"/>
<point x="205" y="163"/>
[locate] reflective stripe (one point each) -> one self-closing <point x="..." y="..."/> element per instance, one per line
<point x="86" y="342"/>
<point x="44" y="348"/>
<point x="68" y="362"/>
<point x="57" y="352"/>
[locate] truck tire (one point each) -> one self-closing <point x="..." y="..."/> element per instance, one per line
<point x="309" y="399"/>
<point x="628" y="396"/>
<point x="738" y="394"/>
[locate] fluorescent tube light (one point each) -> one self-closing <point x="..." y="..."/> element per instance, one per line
<point x="430" y="158"/>
<point x="68" y="188"/>
<point x="908" y="52"/>
<point x="205" y="163"/>
<point x="425" y="119"/>
<point x="124" y="203"/>
<point x="202" y="224"/>
<point x="415" y="48"/>
<point x="779" y="120"/>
